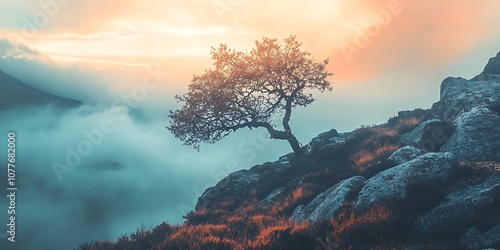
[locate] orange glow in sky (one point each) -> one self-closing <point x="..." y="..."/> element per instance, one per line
<point x="360" y="37"/>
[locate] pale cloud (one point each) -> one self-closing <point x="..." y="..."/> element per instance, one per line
<point x="424" y="36"/>
<point x="134" y="32"/>
<point x="8" y="50"/>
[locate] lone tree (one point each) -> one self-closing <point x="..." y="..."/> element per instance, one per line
<point x="247" y="89"/>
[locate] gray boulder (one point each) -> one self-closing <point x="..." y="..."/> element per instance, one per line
<point x="328" y="203"/>
<point x="493" y="66"/>
<point x="241" y="183"/>
<point x="459" y="95"/>
<point x="233" y="183"/>
<point x="469" y="236"/>
<point x="272" y="197"/>
<point x="475" y="241"/>
<point x="437" y="168"/>
<point x="413" y="137"/>
<point x="325" y="138"/>
<point x="477" y="137"/>
<point x="404" y="154"/>
<point x="461" y="207"/>
<point x="429" y="135"/>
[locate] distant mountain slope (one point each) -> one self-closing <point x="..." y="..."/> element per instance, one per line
<point x="14" y="93"/>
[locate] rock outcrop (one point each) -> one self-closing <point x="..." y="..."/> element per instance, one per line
<point x="324" y="139"/>
<point x="461" y="208"/>
<point x="477" y="137"/>
<point x="473" y="239"/>
<point x="459" y="95"/>
<point x="492" y="67"/>
<point x="429" y="175"/>
<point x="474" y="107"/>
<point x="328" y="203"/>
<point x="405" y="154"/>
<point x="241" y="183"/>
<point x="429" y="135"/>
<point x="391" y="184"/>
<point x="272" y="197"/>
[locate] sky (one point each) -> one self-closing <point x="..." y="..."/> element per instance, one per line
<point x="125" y="60"/>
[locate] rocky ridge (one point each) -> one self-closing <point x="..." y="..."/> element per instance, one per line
<point x="446" y="167"/>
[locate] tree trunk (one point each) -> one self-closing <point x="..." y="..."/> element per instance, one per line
<point x="288" y="131"/>
<point x="284" y="135"/>
<point x="297" y="150"/>
<point x="277" y="134"/>
<point x="288" y="114"/>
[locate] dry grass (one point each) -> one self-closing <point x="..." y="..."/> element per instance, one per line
<point x="348" y="220"/>
<point x="383" y="131"/>
<point x="297" y="194"/>
<point x="295" y="198"/>
<point x="406" y="123"/>
<point x="364" y="158"/>
<point x="263" y="221"/>
<point x="204" y="237"/>
<point x="268" y="235"/>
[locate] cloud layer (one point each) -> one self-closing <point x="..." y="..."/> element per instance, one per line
<point x="132" y="32"/>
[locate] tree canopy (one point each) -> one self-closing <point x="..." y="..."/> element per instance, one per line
<point x="247" y="90"/>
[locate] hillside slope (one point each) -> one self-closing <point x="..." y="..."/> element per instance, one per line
<point x="426" y="179"/>
<point x="14" y="93"/>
